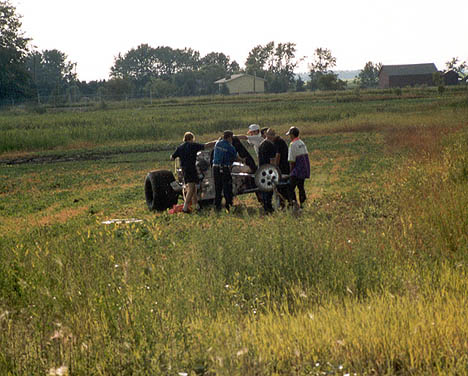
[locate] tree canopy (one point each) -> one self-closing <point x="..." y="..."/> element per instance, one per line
<point x="50" y="71"/>
<point x="186" y="72"/>
<point x="14" y="79"/>
<point x="275" y="63"/>
<point x="456" y="65"/>
<point x="161" y="71"/>
<point x="321" y="75"/>
<point x="369" y="76"/>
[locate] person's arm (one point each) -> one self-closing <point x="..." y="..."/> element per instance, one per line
<point x="291" y="158"/>
<point x="235" y="156"/>
<point x="241" y="137"/>
<point x="210" y="144"/>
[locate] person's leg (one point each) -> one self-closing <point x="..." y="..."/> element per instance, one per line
<point x="302" y="193"/>
<point x="195" y="197"/>
<point x="292" y="188"/>
<point x="267" y="204"/>
<point x="264" y="199"/>
<point x="188" y="198"/>
<point x="227" y="187"/>
<point x="283" y="195"/>
<point x="218" y="181"/>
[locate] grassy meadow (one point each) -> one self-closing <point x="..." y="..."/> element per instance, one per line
<point x="369" y="279"/>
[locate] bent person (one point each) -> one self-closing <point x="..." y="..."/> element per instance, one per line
<point x="281" y="161"/>
<point x="298" y="158"/>
<point x="267" y="155"/>
<point x="187" y="153"/>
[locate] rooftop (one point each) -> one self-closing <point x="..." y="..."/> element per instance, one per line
<point x="235" y="77"/>
<point x="408" y="69"/>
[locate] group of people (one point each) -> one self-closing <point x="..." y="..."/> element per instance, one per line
<point x="292" y="160"/>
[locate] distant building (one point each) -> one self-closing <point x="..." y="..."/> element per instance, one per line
<point x="406" y="75"/>
<point x="242" y="84"/>
<point x="451" y="77"/>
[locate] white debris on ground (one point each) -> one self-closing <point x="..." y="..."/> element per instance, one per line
<point x="60" y="371"/>
<point x="124" y="221"/>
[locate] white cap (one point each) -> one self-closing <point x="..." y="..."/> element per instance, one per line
<point x="254" y="127"/>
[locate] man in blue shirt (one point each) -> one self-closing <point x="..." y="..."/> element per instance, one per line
<point x="224" y="156"/>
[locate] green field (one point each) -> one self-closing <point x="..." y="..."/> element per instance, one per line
<point x="369" y="279"/>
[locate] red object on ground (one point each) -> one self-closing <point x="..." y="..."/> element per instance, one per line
<point x="176" y="209"/>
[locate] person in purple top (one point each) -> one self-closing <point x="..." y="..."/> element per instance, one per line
<point x="299" y="163"/>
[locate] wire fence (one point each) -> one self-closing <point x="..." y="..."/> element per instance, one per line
<point x="66" y="100"/>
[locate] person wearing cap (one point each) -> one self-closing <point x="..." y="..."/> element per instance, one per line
<point x="253" y="137"/>
<point x="267" y="155"/>
<point x="281" y="161"/>
<point x="299" y="164"/>
<point x="187" y="153"/>
<point x="224" y="156"/>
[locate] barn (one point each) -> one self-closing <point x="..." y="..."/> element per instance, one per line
<point x="451" y="77"/>
<point x="406" y="75"/>
<point x="242" y="84"/>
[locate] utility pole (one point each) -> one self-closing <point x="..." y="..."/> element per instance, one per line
<point x="255" y="78"/>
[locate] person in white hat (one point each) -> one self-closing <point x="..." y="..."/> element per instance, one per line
<point x="253" y="137"/>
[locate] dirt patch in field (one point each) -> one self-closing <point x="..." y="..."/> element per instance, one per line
<point x="420" y="141"/>
<point x="45" y="218"/>
<point x="107" y="186"/>
<point x="29" y="183"/>
<point x="61" y="216"/>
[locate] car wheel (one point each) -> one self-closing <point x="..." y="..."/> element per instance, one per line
<point x="158" y="191"/>
<point x="266" y="177"/>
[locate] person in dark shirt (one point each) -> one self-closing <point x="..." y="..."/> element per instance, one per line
<point x="187" y="153"/>
<point x="267" y="155"/>
<point x="281" y="161"/>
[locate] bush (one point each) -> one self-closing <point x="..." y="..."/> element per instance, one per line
<point x="38" y="109"/>
<point x="224" y="90"/>
<point x="397" y="91"/>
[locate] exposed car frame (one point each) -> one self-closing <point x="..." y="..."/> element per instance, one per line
<point x="162" y="189"/>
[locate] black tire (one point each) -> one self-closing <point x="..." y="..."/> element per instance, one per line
<point x="158" y="191"/>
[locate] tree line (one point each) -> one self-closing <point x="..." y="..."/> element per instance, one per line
<point x="157" y="72"/>
<point x="149" y="71"/>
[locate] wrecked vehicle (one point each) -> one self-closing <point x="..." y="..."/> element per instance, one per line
<point x="163" y="189"/>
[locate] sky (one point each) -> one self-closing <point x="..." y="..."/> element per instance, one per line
<point x="93" y="32"/>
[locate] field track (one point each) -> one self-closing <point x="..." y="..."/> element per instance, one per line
<point x="78" y="156"/>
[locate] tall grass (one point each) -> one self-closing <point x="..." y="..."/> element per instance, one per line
<point x="371" y="278"/>
<point x="33" y="132"/>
